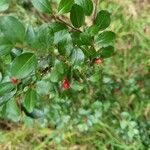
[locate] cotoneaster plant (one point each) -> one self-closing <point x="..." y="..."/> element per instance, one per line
<point x="53" y="70"/>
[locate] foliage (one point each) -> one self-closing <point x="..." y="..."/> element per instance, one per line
<point x="56" y="69"/>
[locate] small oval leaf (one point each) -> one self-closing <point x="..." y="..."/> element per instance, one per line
<point x="105" y="38"/>
<point x="5" y="98"/>
<point x="77" y="16"/>
<point x="30" y="100"/>
<point x="5" y="46"/>
<point x="6" y="88"/>
<point x="4" y="5"/>
<point x="87" y="6"/>
<point x="103" y="19"/>
<point x="10" y="27"/>
<point x="65" y="6"/>
<point x="77" y="56"/>
<point x="42" y="5"/>
<point x="23" y="65"/>
<point x="107" y="52"/>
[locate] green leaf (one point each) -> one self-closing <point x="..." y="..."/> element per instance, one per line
<point x="105" y="38"/>
<point x="12" y="111"/>
<point x="77" y="56"/>
<point x="12" y="29"/>
<point x="87" y="6"/>
<point x="57" y="26"/>
<point x="30" y="36"/>
<point x="41" y="37"/>
<point x="45" y="37"/>
<point x="65" y="6"/>
<point x="5" y="98"/>
<point x="23" y="65"/>
<point x="77" y="16"/>
<point x="61" y="36"/>
<point x="65" y="47"/>
<point x="44" y="87"/>
<point x="6" y="88"/>
<point x="35" y="114"/>
<point x="4" y="5"/>
<point x="93" y="30"/>
<point x="103" y="19"/>
<point x="58" y="71"/>
<point x="76" y="38"/>
<point x="42" y="5"/>
<point x="5" y="46"/>
<point x="77" y="86"/>
<point x="65" y="44"/>
<point x="89" y="52"/>
<point x="107" y="52"/>
<point x="55" y="76"/>
<point x="30" y="100"/>
<point x="95" y="78"/>
<point x="60" y="66"/>
<point x="85" y="38"/>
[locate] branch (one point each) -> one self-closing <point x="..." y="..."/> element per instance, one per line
<point x="57" y="18"/>
<point x="95" y="9"/>
<point x="66" y="23"/>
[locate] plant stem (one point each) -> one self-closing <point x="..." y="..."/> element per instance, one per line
<point x="55" y="17"/>
<point x="96" y="3"/>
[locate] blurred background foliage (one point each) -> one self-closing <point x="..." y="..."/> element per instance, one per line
<point x="125" y="108"/>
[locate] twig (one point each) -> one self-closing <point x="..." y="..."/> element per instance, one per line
<point x="96" y="3"/>
<point x="66" y="23"/>
<point x="55" y="17"/>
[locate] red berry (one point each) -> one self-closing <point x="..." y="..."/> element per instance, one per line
<point x="66" y="83"/>
<point x="98" y="60"/>
<point x="14" y="80"/>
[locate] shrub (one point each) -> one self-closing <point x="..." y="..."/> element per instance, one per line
<point x="53" y="70"/>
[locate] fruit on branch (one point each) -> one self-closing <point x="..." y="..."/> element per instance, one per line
<point x="98" y="61"/>
<point x="66" y="84"/>
<point x="14" y="80"/>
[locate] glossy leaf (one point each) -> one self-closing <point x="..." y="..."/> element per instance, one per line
<point x="5" y="98"/>
<point x="41" y="37"/>
<point x="58" y="26"/>
<point x="61" y="36"/>
<point x="35" y="114"/>
<point x="65" y="6"/>
<point x="10" y="27"/>
<point x="103" y="19"/>
<point x="93" y="30"/>
<point x="105" y="38"/>
<point x="6" y="88"/>
<point x="30" y="100"/>
<point x="23" y="65"/>
<point x="89" y="52"/>
<point x="4" y="5"/>
<point x="65" y="47"/>
<point x="77" y="16"/>
<point x="87" y="6"/>
<point x="5" y="46"/>
<point x="86" y="39"/>
<point x="107" y="52"/>
<point x="77" y="56"/>
<point x="42" y="5"/>
<point x="12" y="111"/>
<point x="55" y="76"/>
<point x="77" y="86"/>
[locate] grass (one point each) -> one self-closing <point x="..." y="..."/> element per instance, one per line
<point x="131" y="66"/>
